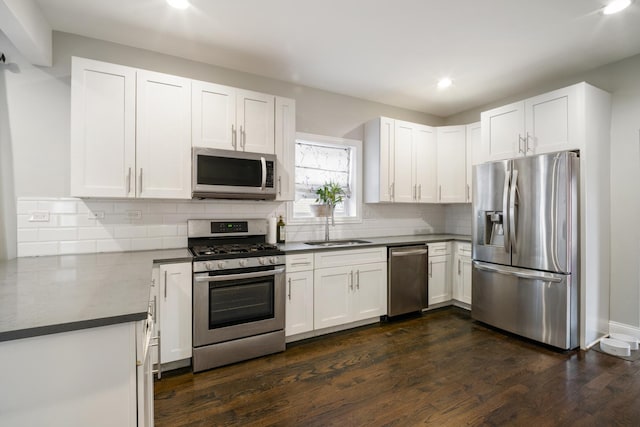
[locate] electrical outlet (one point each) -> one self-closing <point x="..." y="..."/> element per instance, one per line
<point x="96" y="215"/>
<point x="39" y="216"/>
<point x="134" y="214"/>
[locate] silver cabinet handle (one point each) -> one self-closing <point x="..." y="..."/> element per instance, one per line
<point x="392" y="190"/>
<point x="279" y="185"/>
<point x="140" y="181"/>
<point x="234" y="137"/>
<point x="458" y="266"/>
<point x="399" y="253"/>
<point x="165" y="284"/>
<point x="289" y="294"/>
<point x="357" y="279"/>
<point x="431" y="269"/>
<point x="420" y="192"/>
<point x="129" y="181"/>
<point x="468" y="193"/>
<point x="522" y="140"/>
<point x="526" y="143"/>
<point x="300" y="263"/>
<point x="415" y="192"/>
<point x="440" y="193"/>
<point x="243" y="138"/>
<point x="351" y="280"/>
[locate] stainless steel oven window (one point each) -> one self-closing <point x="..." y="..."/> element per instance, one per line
<point x="241" y="301"/>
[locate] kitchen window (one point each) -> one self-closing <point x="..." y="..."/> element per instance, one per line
<point x="320" y="159"/>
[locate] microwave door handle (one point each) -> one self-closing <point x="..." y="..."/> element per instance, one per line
<point x="263" y="162"/>
<point x="204" y="277"/>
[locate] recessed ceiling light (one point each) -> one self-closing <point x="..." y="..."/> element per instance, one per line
<point x="616" y="6"/>
<point x="444" y="83"/>
<point x="179" y="4"/>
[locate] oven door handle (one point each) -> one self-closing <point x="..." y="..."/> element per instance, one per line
<point x="204" y="277"/>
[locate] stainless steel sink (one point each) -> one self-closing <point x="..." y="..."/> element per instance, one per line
<point x="349" y="242"/>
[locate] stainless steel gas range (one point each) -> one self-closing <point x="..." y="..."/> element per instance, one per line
<point x="238" y="292"/>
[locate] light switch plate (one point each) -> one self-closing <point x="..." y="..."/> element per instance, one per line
<point x="39" y="216"/>
<point x="96" y="215"/>
<point x="134" y="214"/>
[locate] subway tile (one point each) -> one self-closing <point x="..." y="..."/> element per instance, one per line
<point x="146" y="244"/>
<point x="78" y="247"/>
<point x="191" y="208"/>
<point x="174" y="242"/>
<point x="26" y="206"/>
<point x="99" y="206"/>
<point x="89" y="233"/>
<point x="130" y="231"/>
<point x="113" y="245"/>
<point x="37" y="249"/>
<point x="27" y="235"/>
<point x="162" y="230"/>
<point x="124" y="207"/>
<point x="58" y="206"/>
<point x="57" y="234"/>
<point x="162" y="207"/>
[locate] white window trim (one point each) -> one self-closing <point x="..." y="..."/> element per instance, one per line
<point x="357" y="174"/>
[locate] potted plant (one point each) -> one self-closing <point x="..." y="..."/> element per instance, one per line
<point x="329" y="195"/>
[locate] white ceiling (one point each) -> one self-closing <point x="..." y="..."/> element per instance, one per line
<point x="381" y="50"/>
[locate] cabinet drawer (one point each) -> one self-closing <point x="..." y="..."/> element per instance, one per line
<point x="350" y="257"/>
<point x="299" y="262"/>
<point x="464" y="249"/>
<point x="441" y="248"/>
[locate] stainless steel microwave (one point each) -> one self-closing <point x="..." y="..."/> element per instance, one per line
<point x="225" y="174"/>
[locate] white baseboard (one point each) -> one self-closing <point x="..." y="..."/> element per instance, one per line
<point x="621" y="328"/>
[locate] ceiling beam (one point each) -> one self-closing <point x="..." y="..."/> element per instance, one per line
<point x="24" y="24"/>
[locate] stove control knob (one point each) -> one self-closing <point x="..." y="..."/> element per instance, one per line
<point x="262" y="261"/>
<point x="242" y="262"/>
<point x="208" y="266"/>
<point x="273" y="260"/>
<point x="221" y="264"/>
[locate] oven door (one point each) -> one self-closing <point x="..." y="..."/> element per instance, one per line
<point x="233" y="174"/>
<point x="234" y="304"/>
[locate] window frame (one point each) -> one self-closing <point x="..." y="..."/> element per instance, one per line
<point x="356" y="177"/>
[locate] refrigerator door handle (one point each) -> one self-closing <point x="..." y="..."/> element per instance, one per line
<point x="512" y="208"/>
<point x="510" y="271"/>
<point x="505" y="212"/>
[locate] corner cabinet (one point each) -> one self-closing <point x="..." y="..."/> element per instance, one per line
<point x="542" y="124"/>
<point x="285" y="140"/>
<point x="130" y="132"/>
<point x="474" y="155"/>
<point x="232" y="119"/>
<point x="349" y="286"/>
<point x="452" y="155"/>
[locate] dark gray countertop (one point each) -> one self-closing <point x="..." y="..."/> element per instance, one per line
<point x="52" y="294"/>
<point x="378" y="241"/>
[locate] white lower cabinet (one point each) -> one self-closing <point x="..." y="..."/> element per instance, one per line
<point x="349" y="286"/>
<point x="462" y="273"/>
<point x="439" y="273"/>
<point x="175" y="312"/>
<point x="299" y="294"/>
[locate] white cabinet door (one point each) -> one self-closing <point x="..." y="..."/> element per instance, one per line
<point x="549" y="119"/>
<point x="404" y="167"/>
<point x="285" y="139"/>
<point x="452" y="152"/>
<point x="503" y="133"/>
<point x="370" y="291"/>
<point x="255" y="122"/>
<point x="213" y="115"/>
<point x="163" y="147"/>
<point x="439" y="279"/>
<point x="474" y="152"/>
<point x="175" y="312"/>
<point x="465" y="273"/>
<point x="103" y="132"/>
<point x="379" y="136"/>
<point x="332" y="296"/>
<point x="425" y="155"/>
<point x="299" y="308"/>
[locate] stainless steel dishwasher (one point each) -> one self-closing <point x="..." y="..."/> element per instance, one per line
<point x="408" y="279"/>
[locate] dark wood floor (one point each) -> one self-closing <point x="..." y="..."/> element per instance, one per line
<point x="438" y="369"/>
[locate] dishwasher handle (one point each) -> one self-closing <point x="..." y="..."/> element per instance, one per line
<point x="410" y="252"/>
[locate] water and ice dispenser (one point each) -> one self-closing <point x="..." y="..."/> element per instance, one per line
<point x="491" y="228"/>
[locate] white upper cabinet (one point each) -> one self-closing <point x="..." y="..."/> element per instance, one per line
<point x="474" y="153"/>
<point x="452" y="153"/>
<point x="130" y="132"/>
<point x="163" y="148"/>
<point x="403" y="187"/>
<point x="379" y="153"/>
<point x="542" y="124"/>
<point x="285" y="139"/>
<point x="103" y="129"/>
<point x="232" y="119"/>
<point x="214" y="115"/>
<point x="425" y="164"/>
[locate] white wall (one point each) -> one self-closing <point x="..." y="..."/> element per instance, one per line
<point x="34" y="119"/>
<point x="622" y="80"/>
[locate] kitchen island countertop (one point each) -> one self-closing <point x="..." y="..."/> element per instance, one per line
<point x="52" y="294"/>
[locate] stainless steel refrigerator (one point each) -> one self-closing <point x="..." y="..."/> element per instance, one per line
<point x="525" y="247"/>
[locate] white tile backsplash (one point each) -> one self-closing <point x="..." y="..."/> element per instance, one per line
<point x="163" y="225"/>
